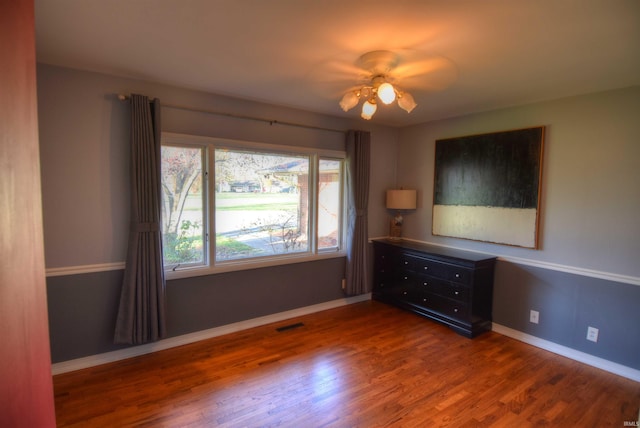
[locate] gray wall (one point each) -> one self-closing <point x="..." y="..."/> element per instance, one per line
<point x="586" y="271"/>
<point x="84" y="134"/>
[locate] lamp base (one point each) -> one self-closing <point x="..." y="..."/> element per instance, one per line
<point x="395" y="231"/>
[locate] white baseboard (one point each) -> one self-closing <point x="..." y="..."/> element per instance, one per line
<point x="109" y="357"/>
<point x="582" y="357"/>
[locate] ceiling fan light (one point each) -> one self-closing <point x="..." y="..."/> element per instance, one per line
<point x="368" y="109"/>
<point x="349" y="101"/>
<point x="406" y="102"/>
<point x="386" y="93"/>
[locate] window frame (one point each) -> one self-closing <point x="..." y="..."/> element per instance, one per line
<point x="313" y="253"/>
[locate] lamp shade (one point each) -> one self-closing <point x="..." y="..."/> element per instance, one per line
<point x="349" y="101"/>
<point x="368" y="109"/>
<point x="406" y="102"/>
<point x="401" y="199"/>
<point x="386" y="93"/>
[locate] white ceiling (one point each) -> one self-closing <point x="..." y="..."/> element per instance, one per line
<point x="284" y="52"/>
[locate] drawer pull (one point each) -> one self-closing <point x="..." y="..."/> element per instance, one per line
<point x="457" y="275"/>
<point x="404" y="292"/>
<point x="424" y="299"/>
<point x="426" y="268"/>
<point x="405" y="278"/>
<point x="455" y="310"/>
<point x="406" y="263"/>
<point x="426" y="284"/>
<point x="456" y="292"/>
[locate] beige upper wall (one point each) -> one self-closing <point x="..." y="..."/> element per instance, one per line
<point x="590" y="201"/>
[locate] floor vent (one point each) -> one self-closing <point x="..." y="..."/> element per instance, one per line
<point x="290" y="326"/>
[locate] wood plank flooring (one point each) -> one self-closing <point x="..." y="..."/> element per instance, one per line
<point x="363" y="365"/>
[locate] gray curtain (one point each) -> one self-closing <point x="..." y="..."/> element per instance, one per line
<point x="358" y="154"/>
<point x="141" y="315"/>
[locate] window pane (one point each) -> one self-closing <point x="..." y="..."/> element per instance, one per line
<point x="329" y="206"/>
<point x="261" y="202"/>
<point x="183" y="213"/>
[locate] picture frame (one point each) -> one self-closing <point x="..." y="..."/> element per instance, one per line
<point x="487" y="187"/>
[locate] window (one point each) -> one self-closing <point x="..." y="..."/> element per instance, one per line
<point x="260" y="203"/>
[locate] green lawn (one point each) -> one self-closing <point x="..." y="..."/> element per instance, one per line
<point x="228" y="201"/>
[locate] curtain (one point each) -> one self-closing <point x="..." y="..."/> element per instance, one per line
<point x="358" y="154"/>
<point x="141" y="315"/>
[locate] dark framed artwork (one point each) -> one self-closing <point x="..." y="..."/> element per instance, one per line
<point x="487" y="187"/>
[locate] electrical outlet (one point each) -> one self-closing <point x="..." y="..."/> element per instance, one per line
<point x="592" y="334"/>
<point x="534" y="316"/>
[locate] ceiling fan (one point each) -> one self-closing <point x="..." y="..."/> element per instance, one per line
<point x="386" y="76"/>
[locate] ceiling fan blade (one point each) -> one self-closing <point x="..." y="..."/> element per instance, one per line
<point x="342" y="67"/>
<point x="434" y="73"/>
<point x="337" y="76"/>
<point x="340" y="70"/>
<point x="424" y="66"/>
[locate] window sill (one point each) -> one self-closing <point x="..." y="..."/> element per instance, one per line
<point x="239" y="265"/>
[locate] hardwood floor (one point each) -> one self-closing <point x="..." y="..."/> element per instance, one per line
<point x="363" y="365"/>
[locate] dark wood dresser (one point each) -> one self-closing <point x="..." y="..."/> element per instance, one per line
<point x="450" y="286"/>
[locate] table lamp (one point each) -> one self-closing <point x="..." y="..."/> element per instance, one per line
<point x="399" y="200"/>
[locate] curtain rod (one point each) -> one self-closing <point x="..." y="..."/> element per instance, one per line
<point x="123" y="97"/>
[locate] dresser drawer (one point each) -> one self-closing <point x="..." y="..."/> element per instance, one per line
<point x="385" y="261"/>
<point x="424" y="266"/>
<point x="404" y="293"/>
<point x="459" y="275"/>
<point x="395" y="283"/>
<point x="434" y="268"/>
<point x="456" y="292"/>
<point x="413" y="296"/>
<point x="406" y="262"/>
<point x="432" y="302"/>
<point x="383" y="274"/>
<point x="445" y="307"/>
<point x="383" y="281"/>
<point x="443" y="288"/>
<point x="406" y="279"/>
